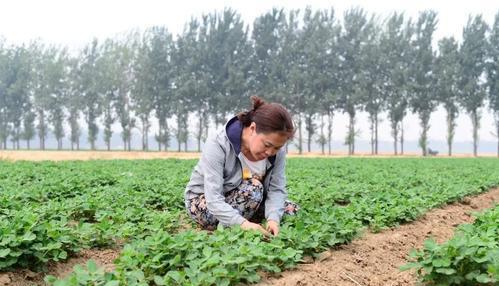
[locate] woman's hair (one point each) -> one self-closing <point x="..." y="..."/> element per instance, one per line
<point x="268" y="117"/>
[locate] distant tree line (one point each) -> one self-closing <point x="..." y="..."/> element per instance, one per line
<point x="315" y="62"/>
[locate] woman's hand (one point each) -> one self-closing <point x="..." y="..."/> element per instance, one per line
<point x="273" y="227"/>
<point x="246" y="225"/>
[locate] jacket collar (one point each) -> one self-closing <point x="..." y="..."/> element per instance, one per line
<point x="234" y="131"/>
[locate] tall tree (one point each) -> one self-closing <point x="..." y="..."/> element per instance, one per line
<point x="447" y="69"/>
<point x="266" y="35"/>
<point x="74" y="103"/>
<point x="353" y="38"/>
<point x="493" y="75"/>
<point x="227" y="60"/>
<point x="318" y="42"/>
<point x="161" y="81"/>
<point x="142" y="93"/>
<point x="56" y="70"/>
<point x="88" y="89"/>
<point x="108" y="72"/>
<point x="395" y="53"/>
<point x="472" y="63"/>
<point x="189" y="71"/>
<point x="3" y="93"/>
<point x="198" y="81"/>
<point x="125" y="49"/>
<point x="422" y="80"/>
<point x="42" y="57"/>
<point x="333" y="87"/>
<point x="293" y="64"/>
<point x="17" y="91"/>
<point x="373" y="99"/>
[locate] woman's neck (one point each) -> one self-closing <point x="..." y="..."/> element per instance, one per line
<point x="244" y="144"/>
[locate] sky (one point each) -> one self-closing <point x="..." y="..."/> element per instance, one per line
<point x="73" y="23"/>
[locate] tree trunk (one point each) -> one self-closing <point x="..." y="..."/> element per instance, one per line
<point x="41" y="128"/>
<point x="352" y="134"/>
<point x="395" y="136"/>
<point x="129" y="139"/>
<point x="27" y="143"/>
<point x="300" y="146"/>
<point x="185" y="131"/>
<point x="330" y="130"/>
<point x="308" y="122"/>
<point x="371" y="117"/>
<point x="17" y="140"/>
<point x="144" y="138"/>
<point x="145" y="133"/>
<point x="450" y="131"/>
<point x="322" y="135"/>
<point x="166" y="135"/>
<point x="475" y="121"/>
<point x="159" y="137"/>
<point x="376" y="121"/>
<point x="200" y="130"/>
<point x="402" y="137"/>
<point x="423" y="140"/>
<point x="497" y="133"/>
<point x="179" y="130"/>
<point x="147" y="137"/>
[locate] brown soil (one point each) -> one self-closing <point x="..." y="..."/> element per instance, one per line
<point x="52" y="155"/>
<point x="375" y="258"/>
<point x="104" y="258"/>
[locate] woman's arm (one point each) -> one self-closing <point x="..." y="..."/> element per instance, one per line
<point x="276" y="195"/>
<point x="212" y="164"/>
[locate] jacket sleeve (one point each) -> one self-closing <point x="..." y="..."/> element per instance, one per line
<point x="212" y="164"/>
<point x="276" y="195"/>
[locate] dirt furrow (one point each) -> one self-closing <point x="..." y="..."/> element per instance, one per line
<point x="374" y="259"/>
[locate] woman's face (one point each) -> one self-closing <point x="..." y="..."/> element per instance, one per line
<point x="263" y="145"/>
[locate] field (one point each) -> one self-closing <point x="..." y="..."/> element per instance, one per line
<point x="128" y="216"/>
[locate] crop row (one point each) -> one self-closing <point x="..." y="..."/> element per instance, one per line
<point x="471" y="257"/>
<point x="139" y="205"/>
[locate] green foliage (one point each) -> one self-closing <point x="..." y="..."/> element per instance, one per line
<point x="50" y="210"/>
<point x="471" y="257"/>
<point x="92" y="275"/>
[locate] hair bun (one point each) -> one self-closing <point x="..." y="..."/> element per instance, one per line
<point x="257" y="102"/>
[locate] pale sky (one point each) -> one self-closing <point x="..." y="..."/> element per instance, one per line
<point x="74" y="23"/>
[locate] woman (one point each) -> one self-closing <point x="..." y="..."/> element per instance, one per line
<point x="240" y="178"/>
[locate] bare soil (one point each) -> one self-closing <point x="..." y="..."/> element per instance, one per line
<point x="54" y="155"/>
<point x="103" y="257"/>
<point x="375" y="258"/>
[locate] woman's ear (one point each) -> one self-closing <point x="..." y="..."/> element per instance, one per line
<point x="253" y="127"/>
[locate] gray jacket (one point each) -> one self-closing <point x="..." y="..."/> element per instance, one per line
<point x="219" y="171"/>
